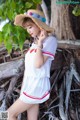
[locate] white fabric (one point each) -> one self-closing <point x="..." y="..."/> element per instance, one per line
<point x="36" y="84"/>
<point x="34" y="88"/>
<point x="49" y="47"/>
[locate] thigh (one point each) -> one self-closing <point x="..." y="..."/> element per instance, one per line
<point x="18" y="107"/>
<point x="33" y="112"/>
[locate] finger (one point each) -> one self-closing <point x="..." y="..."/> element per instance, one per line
<point x="43" y="32"/>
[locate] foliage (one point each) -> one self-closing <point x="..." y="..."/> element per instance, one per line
<point x="10" y="33"/>
<point x="76" y="11"/>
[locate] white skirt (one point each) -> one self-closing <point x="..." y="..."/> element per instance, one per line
<point x="35" y="90"/>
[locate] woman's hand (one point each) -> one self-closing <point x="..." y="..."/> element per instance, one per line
<point x="42" y="36"/>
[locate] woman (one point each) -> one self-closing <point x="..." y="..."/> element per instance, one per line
<point x="36" y="85"/>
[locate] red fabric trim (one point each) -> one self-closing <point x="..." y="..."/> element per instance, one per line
<point x="33" y="50"/>
<point x="49" y="53"/>
<point x="36" y="97"/>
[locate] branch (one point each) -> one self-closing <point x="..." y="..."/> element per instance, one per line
<point x="69" y="44"/>
<point x="10" y="69"/>
<point x="69" y="76"/>
<point x="74" y="72"/>
<point x="3" y="106"/>
<point x="11" y="86"/>
<point x="61" y="107"/>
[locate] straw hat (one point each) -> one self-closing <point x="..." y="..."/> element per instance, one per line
<point x="37" y="17"/>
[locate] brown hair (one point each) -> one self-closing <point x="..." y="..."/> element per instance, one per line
<point x="26" y="20"/>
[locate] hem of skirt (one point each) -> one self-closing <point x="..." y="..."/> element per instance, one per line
<point x="33" y="101"/>
<point x="37" y="98"/>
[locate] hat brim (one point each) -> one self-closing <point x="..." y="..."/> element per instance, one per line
<point x="19" y="20"/>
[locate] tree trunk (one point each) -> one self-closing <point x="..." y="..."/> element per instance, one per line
<point x="60" y="21"/>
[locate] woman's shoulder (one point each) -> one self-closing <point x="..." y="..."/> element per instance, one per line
<point x="51" y="39"/>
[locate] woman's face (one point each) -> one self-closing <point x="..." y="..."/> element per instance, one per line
<point x="32" y="29"/>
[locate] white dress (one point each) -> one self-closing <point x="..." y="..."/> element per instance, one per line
<point x="36" y="84"/>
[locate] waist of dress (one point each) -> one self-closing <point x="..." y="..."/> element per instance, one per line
<point x="35" y="76"/>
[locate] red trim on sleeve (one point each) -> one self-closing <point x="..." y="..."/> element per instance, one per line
<point x="48" y="53"/>
<point x="36" y="97"/>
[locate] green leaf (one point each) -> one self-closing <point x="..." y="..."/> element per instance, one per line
<point x="1" y="37"/>
<point x="9" y="47"/>
<point x="1" y="9"/>
<point x="0" y="12"/>
<point x="37" y="1"/>
<point x="13" y="4"/>
<point x="21" y="42"/>
<point x="10" y="15"/>
<point x="76" y="11"/>
<point x="8" y="44"/>
<point x="7" y="28"/>
<point x="28" y="5"/>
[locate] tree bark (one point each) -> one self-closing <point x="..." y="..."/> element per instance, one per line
<point x="60" y="21"/>
<point x="69" y="44"/>
<point x="10" y="69"/>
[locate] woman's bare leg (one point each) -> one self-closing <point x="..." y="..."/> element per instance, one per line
<point x="17" y="108"/>
<point x="32" y="113"/>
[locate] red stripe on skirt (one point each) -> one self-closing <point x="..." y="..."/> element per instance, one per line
<point x="36" y="97"/>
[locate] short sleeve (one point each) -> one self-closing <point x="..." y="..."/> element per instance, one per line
<point x="49" y="47"/>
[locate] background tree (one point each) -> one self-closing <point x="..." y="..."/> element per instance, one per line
<point x="64" y="22"/>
